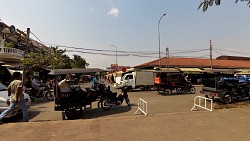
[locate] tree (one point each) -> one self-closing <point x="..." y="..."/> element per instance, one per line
<point x="78" y="62"/>
<point x="56" y="59"/>
<point x="207" y="3"/>
<point x="36" y="60"/>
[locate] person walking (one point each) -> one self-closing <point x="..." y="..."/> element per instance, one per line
<point x="16" y="98"/>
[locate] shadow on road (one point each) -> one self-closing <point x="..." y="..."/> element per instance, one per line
<point x="39" y="101"/>
<point x="235" y="104"/>
<point x="33" y="114"/>
<point x="19" y="117"/>
<point x="175" y="94"/>
<point x="98" y="112"/>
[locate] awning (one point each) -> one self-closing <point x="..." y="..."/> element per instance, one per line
<point x="167" y="70"/>
<point x="190" y="70"/>
<point x="225" y="71"/>
<point x="71" y="71"/>
<point x="244" y="71"/>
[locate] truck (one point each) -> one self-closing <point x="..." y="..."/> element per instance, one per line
<point x="225" y="86"/>
<point x="138" y="79"/>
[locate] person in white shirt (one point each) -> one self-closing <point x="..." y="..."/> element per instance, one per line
<point x="16" y="97"/>
<point x="64" y="86"/>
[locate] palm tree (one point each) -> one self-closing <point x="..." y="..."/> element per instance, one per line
<point x="207" y="3"/>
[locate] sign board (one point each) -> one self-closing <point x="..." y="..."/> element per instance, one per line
<point x="124" y="69"/>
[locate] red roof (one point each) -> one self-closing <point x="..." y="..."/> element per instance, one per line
<point x="197" y="62"/>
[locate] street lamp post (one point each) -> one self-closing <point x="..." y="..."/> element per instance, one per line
<point x="160" y="39"/>
<point x="115" y="53"/>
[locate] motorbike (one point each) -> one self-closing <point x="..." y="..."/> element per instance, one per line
<point x="46" y="93"/>
<point x="186" y="88"/>
<point x="109" y="98"/>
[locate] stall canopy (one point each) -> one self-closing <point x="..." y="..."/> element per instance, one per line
<point x="72" y="71"/>
<point x="244" y="71"/>
<point x="225" y="71"/>
<point x="190" y="70"/>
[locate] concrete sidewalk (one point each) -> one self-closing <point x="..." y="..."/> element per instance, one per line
<point x="221" y="125"/>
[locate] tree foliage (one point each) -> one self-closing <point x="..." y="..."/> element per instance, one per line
<point x="78" y="62"/>
<point x="56" y="59"/>
<point x="206" y="3"/>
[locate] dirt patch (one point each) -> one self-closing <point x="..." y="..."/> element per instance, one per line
<point x="232" y="105"/>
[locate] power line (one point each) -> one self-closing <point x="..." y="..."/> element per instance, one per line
<point x="133" y="52"/>
<point x="37" y="38"/>
<point x="234" y="51"/>
<point x="190" y="51"/>
<point x="108" y="54"/>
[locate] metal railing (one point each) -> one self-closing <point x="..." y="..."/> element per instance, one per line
<point x="12" y="51"/>
<point x="142" y="107"/>
<point x="205" y="103"/>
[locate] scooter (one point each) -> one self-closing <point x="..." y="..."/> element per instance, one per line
<point x="110" y="98"/>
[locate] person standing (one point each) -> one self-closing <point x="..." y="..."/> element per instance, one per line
<point x="94" y="82"/>
<point x="16" y="98"/>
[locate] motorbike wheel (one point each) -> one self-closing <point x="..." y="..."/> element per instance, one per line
<point x="192" y="90"/>
<point x="179" y="90"/>
<point x="73" y="111"/>
<point x="127" y="101"/>
<point x="49" y="96"/>
<point x="104" y="105"/>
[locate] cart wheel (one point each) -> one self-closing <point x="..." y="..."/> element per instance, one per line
<point x="161" y="90"/>
<point x="178" y="90"/>
<point x="50" y="96"/>
<point x="32" y="99"/>
<point x="192" y="90"/>
<point x="227" y="98"/>
<point x="104" y="104"/>
<point x="73" y="111"/>
<point x="63" y="115"/>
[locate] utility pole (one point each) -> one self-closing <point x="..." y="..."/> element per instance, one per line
<point x="167" y="58"/>
<point x="211" y="58"/>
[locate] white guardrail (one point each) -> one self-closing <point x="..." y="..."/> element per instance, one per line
<point x="205" y="103"/>
<point x="142" y="107"/>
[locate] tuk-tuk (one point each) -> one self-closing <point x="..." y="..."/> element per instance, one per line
<point x="167" y="81"/>
<point x="72" y="103"/>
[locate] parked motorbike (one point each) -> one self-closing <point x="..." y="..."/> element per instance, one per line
<point x="46" y="93"/>
<point x="110" y="98"/>
<point x="186" y="88"/>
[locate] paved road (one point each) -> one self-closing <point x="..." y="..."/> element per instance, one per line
<point x="170" y="119"/>
<point x="220" y="125"/>
<point x="42" y="110"/>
